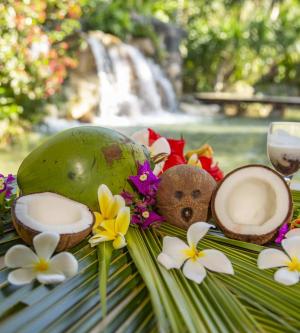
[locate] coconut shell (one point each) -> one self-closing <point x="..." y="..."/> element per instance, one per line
<point x="66" y="241"/>
<point x="73" y="163"/>
<point x="253" y="238"/>
<point x="184" y="194"/>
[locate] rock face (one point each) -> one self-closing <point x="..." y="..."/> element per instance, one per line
<point x="82" y="91"/>
<point x="169" y="36"/>
<point x="118" y="79"/>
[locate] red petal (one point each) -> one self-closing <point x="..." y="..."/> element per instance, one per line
<point x="177" y="146"/>
<point x="206" y="162"/>
<point x="173" y="160"/>
<point x="213" y="170"/>
<point x="153" y="136"/>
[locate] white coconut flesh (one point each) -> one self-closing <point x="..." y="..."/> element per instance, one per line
<point x="52" y="212"/>
<point x="252" y="200"/>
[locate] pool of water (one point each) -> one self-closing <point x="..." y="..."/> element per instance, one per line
<point x="236" y="141"/>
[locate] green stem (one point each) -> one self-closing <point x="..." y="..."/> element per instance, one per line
<point x="104" y="253"/>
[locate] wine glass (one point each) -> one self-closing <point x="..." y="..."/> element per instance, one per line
<point x="284" y="148"/>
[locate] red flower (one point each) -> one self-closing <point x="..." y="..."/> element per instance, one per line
<point x="177" y="146"/>
<point x="213" y="170"/>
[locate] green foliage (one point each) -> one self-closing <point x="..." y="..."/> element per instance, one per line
<point x="256" y="42"/>
<point x="115" y="17"/>
<point x="252" y="41"/>
<point x="35" y="52"/>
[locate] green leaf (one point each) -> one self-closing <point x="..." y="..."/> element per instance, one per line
<point x="104" y="252"/>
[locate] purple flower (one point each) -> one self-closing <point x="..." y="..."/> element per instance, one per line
<point x="9" y="185"/>
<point x="2" y="183"/>
<point x="128" y="197"/>
<point x="145" y="181"/>
<point x="281" y="233"/>
<point x="146" y="218"/>
<point x="6" y="185"/>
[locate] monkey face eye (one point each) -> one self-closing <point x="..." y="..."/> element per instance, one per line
<point x="196" y="194"/>
<point x="178" y="195"/>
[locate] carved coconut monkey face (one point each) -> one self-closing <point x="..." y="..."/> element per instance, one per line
<point x="184" y="194"/>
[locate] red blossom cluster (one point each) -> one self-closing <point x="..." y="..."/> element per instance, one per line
<point x="177" y="155"/>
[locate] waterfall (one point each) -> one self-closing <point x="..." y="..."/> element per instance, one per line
<point x="169" y="101"/>
<point x="130" y="85"/>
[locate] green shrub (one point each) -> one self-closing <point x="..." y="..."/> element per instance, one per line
<point x="35" y="52"/>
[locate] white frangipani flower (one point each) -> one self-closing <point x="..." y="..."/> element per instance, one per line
<point x="292" y="233"/>
<point x="289" y="273"/>
<point x="160" y="147"/>
<point x="175" y="253"/>
<point x="40" y="265"/>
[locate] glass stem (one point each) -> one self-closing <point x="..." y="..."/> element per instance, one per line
<point x="288" y="180"/>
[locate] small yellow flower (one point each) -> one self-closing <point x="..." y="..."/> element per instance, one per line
<point x="112" y="222"/>
<point x="113" y="230"/>
<point x="194" y="160"/>
<point x="109" y="205"/>
<point x="205" y="150"/>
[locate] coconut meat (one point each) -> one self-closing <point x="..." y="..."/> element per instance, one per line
<point x="52" y="212"/>
<point x="253" y="200"/>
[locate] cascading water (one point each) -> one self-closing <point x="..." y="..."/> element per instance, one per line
<point x="132" y="89"/>
<point x="129" y="84"/>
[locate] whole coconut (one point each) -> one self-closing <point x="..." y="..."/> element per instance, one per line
<point x="184" y="195"/>
<point x="75" y="162"/>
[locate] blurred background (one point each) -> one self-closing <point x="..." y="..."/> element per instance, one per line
<point x="215" y="71"/>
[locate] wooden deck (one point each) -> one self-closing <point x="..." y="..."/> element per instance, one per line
<point x="226" y="98"/>
<point x="279" y="103"/>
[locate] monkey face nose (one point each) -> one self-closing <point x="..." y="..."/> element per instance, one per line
<point x="187" y="213"/>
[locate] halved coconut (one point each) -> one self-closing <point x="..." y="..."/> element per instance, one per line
<point x="38" y="212"/>
<point x="251" y="203"/>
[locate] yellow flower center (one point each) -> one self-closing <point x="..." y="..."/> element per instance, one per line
<point x="145" y="215"/>
<point x="143" y="177"/>
<point x="2" y="184"/>
<point x="193" y="253"/>
<point x="42" y="265"/>
<point x="294" y="264"/>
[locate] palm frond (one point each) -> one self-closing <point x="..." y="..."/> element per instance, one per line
<point x="143" y="297"/>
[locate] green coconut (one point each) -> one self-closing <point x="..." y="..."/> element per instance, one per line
<point x="75" y="162"/>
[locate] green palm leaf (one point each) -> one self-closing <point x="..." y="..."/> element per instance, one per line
<point x="144" y="297"/>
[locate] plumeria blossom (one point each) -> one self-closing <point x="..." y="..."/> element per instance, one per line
<point x="293" y="233"/>
<point x="176" y="253"/>
<point x="109" y="205"/>
<point x="288" y="229"/>
<point x="113" y="230"/>
<point x="112" y="221"/>
<point x="289" y="262"/>
<point x="39" y="264"/>
<point x="159" y="148"/>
